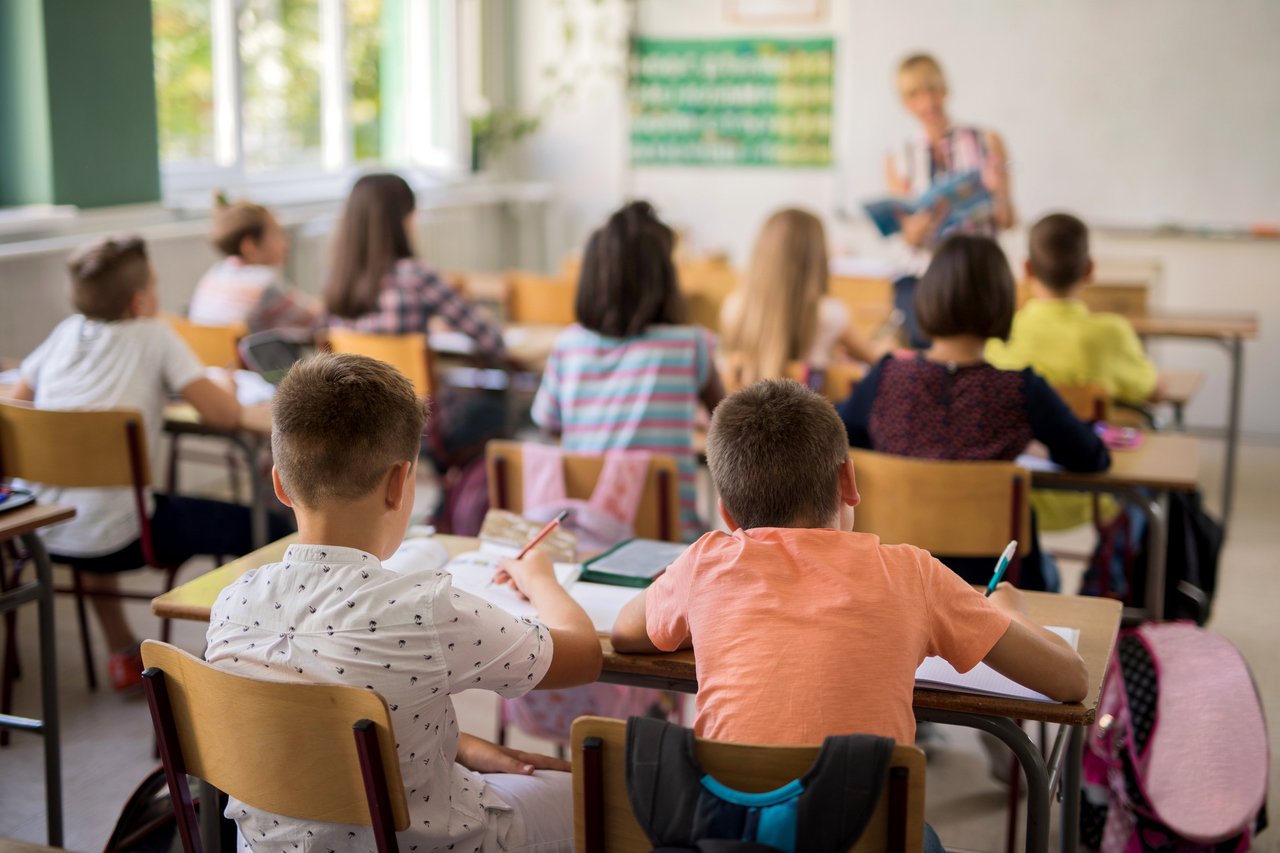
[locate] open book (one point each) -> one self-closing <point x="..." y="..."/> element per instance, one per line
<point x="964" y="193"/>
<point x="474" y="571"/>
<point x="937" y="674"/>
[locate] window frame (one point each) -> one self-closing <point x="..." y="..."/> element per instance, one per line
<point x="437" y="35"/>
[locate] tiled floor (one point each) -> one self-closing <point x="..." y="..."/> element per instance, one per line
<point x="107" y="738"/>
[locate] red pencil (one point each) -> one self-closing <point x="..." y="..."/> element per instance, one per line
<point x="542" y="534"/>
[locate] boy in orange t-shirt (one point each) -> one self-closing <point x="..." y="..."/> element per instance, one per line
<point x="804" y="628"/>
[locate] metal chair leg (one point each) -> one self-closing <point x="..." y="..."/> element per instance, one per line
<point x="82" y="616"/>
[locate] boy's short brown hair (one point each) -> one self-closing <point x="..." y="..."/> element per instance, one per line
<point x="338" y="423"/>
<point x="967" y="290"/>
<point x="775" y="450"/>
<point x="106" y="274"/>
<point x="233" y="221"/>
<point x="1059" y="251"/>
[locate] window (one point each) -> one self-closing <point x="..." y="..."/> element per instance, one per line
<point x="276" y="89"/>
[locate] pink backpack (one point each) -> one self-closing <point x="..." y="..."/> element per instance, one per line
<point x="1179" y="755"/>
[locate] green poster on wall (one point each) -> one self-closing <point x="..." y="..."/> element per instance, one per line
<point x="732" y="102"/>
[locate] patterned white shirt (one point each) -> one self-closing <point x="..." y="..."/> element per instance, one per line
<point x="336" y="615"/>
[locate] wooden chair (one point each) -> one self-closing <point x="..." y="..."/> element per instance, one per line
<point x="78" y="449"/>
<point x="658" y="516"/>
<point x="836" y="382"/>
<point x="869" y="300"/>
<point x="1128" y="298"/>
<point x="603" y="817"/>
<point x="539" y="299"/>
<point x="407" y="353"/>
<point x="705" y="285"/>
<point x="1087" y="402"/>
<point x="216" y="346"/>
<point x="278" y="746"/>
<point x="960" y="509"/>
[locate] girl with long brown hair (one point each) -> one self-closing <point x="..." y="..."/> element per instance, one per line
<point x="376" y="285"/>
<point x="782" y="312"/>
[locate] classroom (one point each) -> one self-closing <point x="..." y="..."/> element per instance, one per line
<point x="668" y="424"/>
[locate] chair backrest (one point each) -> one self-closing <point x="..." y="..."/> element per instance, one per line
<point x="213" y="345"/>
<point x="1087" y="402"/>
<point x="1129" y="298"/>
<point x="602" y="812"/>
<point x="74" y="449"/>
<point x="539" y="299"/>
<point x="958" y="509"/>
<point x="861" y="293"/>
<point x="407" y="353"/>
<point x="658" y="516"/>
<point x="282" y="747"/>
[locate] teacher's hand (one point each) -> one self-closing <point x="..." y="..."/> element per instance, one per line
<point x="919" y="228"/>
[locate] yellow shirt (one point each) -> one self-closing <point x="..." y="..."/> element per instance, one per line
<point x="1067" y="344"/>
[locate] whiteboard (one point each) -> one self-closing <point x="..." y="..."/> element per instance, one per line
<point x="1138" y="112"/>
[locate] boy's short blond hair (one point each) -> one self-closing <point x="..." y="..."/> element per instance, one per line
<point x="338" y="424"/>
<point x="775" y="450"/>
<point x="106" y="274"/>
<point x="918" y="71"/>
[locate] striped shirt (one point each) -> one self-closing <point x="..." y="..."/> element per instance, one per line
<point x="602" y="393"/>
<point x="234" y="293"/>
<point x="411" y="295"/>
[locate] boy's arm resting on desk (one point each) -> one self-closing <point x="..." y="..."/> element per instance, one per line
<point x="218" y="408"/>
<point x="630" y="634"/>
<point x="1035" y="657"/>
<point x="657" y="619"/>
<point x="575" y="647"/>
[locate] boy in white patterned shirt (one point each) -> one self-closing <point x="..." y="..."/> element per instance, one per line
<point x="345" y="437"/>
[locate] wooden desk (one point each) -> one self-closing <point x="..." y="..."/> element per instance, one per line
<point x="1229" y="331"/>
<point x="1097" y="618"/>
<point x="1143" y="477"/>
<point x="22" y="524"/>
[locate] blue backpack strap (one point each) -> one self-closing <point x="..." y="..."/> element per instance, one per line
<point x="662" y="779"/>
<point x="842" y="790"/>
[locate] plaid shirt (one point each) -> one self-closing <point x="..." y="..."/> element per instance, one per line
<point x="411" y="295"/>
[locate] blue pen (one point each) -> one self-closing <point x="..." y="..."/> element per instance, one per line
<point x="1001" y="565"/>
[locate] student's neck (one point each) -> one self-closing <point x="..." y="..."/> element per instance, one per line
<point x="342" y="530"/>
<point x="960" y="350"/>
<point x="1040" y="291"/>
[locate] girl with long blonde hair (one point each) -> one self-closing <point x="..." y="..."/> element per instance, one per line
<point x="782" y="312"/>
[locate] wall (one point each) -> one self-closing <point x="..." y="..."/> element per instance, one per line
<point x="582" y="151"/>
<point x="25" y="173"/>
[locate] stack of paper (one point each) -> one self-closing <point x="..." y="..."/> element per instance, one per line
<point x="937" y="674"/>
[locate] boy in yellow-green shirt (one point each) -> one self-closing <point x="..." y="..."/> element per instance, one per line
<point x="1057" y="335"/>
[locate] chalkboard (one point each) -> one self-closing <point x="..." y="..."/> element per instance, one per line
<point x="732" y="102"/>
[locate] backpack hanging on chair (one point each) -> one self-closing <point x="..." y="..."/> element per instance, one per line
<point x="1178" y="758"/>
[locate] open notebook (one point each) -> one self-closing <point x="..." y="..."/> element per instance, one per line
<point x="474" y="570"/>
<point x="937" y="674"/>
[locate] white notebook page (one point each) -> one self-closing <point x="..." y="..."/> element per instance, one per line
<point x="940" y="675"/>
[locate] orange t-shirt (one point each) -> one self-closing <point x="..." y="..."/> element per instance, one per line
<point x="802" y="633"/>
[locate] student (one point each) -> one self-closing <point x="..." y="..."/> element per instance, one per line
<point x="804" y="628"/>
<point x="113" y="353"/>
<point x="949" y="403"/>
<point x="345" y="436"/>
<point x="247" y="287"/>
<point x="1055" y="333"/>
<point x="628" y="375"/>
<point x="782" y="312"/>
<point x="376" y="284"/>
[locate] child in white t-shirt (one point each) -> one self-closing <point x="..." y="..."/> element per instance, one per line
<point x="112" y="354"/>
<point x="346" y="432"/>
<point x="247" y="286"/>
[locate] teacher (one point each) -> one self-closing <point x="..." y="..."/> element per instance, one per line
<point x="941" y="151"/>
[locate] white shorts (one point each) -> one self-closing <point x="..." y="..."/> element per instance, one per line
<point x="541" y="816"/>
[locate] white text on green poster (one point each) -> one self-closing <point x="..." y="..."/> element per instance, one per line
<point x="732" y="102"/>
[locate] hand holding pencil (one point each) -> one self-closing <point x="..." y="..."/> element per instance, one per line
<point x="520" y="572"/>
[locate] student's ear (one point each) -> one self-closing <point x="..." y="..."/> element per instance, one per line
<point x="1026" y="270"/>
<point x="248" y="247"/>
<point x="1088" y="271"/>
<point x="724" y="514"/>
<point x="279" y="488"/>
<point x="849" y="485"/>
<point x="397" y="478"/>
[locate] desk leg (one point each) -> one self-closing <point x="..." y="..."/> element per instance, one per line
<point x="50" y="728"/>
<point x="1028" y="756"/>
<point x="1071" y="777"/>
<point x="1235" y="347"/>
<point x="257" y="500"/>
